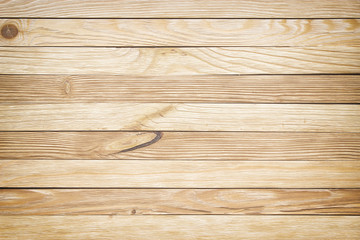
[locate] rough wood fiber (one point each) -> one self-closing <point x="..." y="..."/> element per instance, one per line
<point x="241" y="146"/>
<point x="178" y="201"/>
<point x="179" y="174"/>
<point x="181" y="9"/>
<point x="179" y="61"/>
<point x="181" y="227"/>
<point x="183" y="32"/>
<point x="203" y="89"/>
<point x="181" y="117"/>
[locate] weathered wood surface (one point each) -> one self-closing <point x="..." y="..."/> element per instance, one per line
<point x="179" y="174"/>
<point x="179" y="201"/>
<point x="180" y="227"/>
<point x="183" y="32"/>
<point x="179" y="61"/>
<point x="203" y="89"/>
<point x="181" y="117"/>
<point x="180" y="9"/>
<point x="240" y="146"/>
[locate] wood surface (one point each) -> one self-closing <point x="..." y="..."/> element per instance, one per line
<point x="179" y="201"/>
<point x="187" y="119"/>
<point x="181" y="227"/>
<point x="180" y="9"/>
<point x="231" y="146"/>
<point x="181" y="117"/>
<point x="179" y="61"/>
<point x="179" y="174"/>
<point x="190" y="89"/>
<point x="184" y="32"/>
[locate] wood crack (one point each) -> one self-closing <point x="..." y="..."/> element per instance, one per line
<point x="158" y="136"/>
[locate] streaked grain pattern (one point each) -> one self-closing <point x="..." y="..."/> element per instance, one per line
<point x="176" y="89"/>
<point x="178" y="201"/>
<point x="241" y="146"/>
<point x="179" y="174"/>
<point x="179" y="61"/>
<point x="180" y="227"/>
<point x="181" y="9"/>
<point x="181" y="117"/>
<point x="184" y="32"/>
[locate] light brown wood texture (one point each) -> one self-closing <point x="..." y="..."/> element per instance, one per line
<point x="176" y="89"/>
<point x="181" y="227"/>
<point x="179" y="174"/>
<point x="186" y="119"/>
<point x="179" y="61"/>
<point x="180" y="9"/>
<point x="184" y="32"/>
<point x="181" y="117"/>
<point x="239" y="146"/>
<point x="178" y="201"/>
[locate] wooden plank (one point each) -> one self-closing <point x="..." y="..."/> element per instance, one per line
<point x="179" y="174"/>
<point x="180" y="227"/>
<point x="180" y="89"/>
<point x="180" y="9"/>
<point x="179" y="61"/>
<point x="244" y="146"/>
<point x="178" y="201"/>
<point x="183" y="32"/>
<point x="181" y="117"/>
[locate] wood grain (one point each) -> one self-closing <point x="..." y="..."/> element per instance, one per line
<point x="180" y="89"/>
<point x="180" y="227"/>
<point x="179" y="174"/>
<point x="179" y="61"/>
<point x="181" y="117"/>
<point x="180" y="9"/>
<point x="178" y="201"/>
<point x="243" y="146"/>
<point x="184" y="32"/>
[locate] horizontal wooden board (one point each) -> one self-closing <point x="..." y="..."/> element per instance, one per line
<point x="181" y="9"/>
<point x="244" y="146"/>
<point x="179" y="61"/>
<point x="178" y="201"/>
<point x="179" y="174"/>
<point x="181" y="117"/>
<point x="183" y="32"/>
<point x="178" y="89"/>
<point x="180" y="227"/>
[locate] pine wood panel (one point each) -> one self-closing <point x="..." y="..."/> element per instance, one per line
<point x="179" y="174"/>
<point x="178" y="201"/>
<point x="181" y="9"/>
<point x="179" y="61"/>
<point x="181" y="227"/>
<point x="204" y="89"/>
<point x="183" y="32"/>
<point x="181" y="117"/>
<point x="244" y="146"/>
<point x="189" y="119"/>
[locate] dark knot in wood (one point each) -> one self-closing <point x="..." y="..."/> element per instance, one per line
<point x="9" y="31"/>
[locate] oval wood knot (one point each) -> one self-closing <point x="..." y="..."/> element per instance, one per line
<point x="9" y="31"/>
